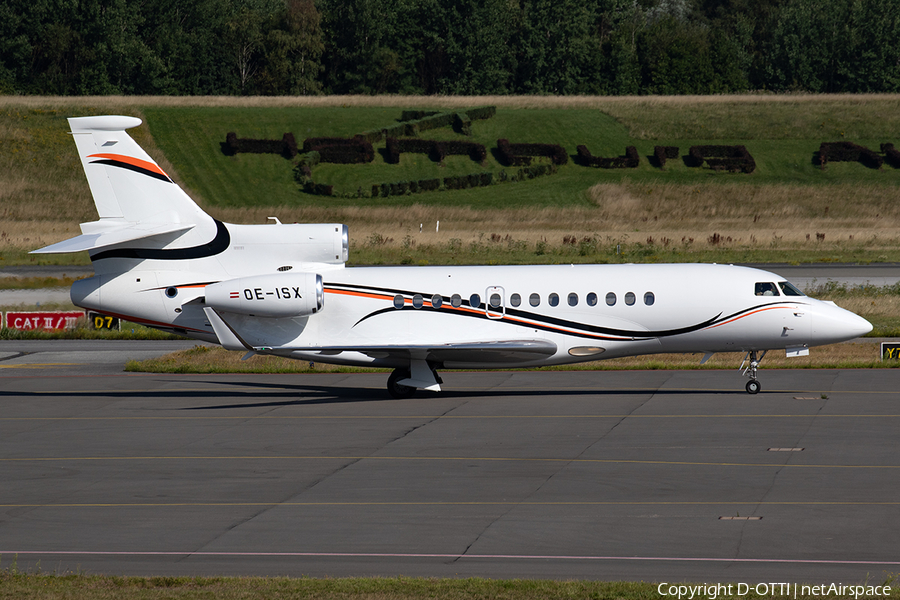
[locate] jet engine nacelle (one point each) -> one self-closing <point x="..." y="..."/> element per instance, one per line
<point x="281" y="295"/>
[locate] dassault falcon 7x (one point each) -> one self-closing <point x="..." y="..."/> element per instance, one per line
<point x="285" y="290"/>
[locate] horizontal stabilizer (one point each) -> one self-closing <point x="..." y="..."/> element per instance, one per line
<point x="109" y="234"/>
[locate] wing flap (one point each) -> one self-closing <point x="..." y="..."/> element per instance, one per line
<point x="493" y="352"/>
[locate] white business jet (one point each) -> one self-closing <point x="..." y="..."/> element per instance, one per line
<point x="285" y="290"/>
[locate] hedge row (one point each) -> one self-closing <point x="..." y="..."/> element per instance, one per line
<point x="355" y="150"/>
<point x="401" y="188"/>
<point x="729" y="158"/>
<point x="305" y="163"/>
<point x="848" y="152"/>
<point x="286" y="146"/>
<point x="319" y="189"/>
<point x="891" y="155"/>
<point x="435" y="149"/>
<point x="515" y="155"/>
<point x="529" y="172"/>
<point x="415" y="115"/>
<point x="629" y="161"/>
<point x="426" y="120"/>
<point x="663" y="153"/>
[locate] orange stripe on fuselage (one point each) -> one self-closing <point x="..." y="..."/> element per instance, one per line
<point x="359" y="294"/>
<point x="477" y="311"/>
<point x="747" y="315"/>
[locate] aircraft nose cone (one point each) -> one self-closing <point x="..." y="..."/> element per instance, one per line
<point x="834" y="324"/>
<point x="856" y="325"/>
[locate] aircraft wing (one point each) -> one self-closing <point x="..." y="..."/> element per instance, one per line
<point x="499" y="352"/>
<point x="108" y="235"/>
<point x="496" y="352"/>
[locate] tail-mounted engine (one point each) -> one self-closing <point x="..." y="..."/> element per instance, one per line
<point x="276" y="296"/>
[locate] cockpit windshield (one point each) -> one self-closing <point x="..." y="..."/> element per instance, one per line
<point x="789" y="289"/>
<point x="766" y="288"/>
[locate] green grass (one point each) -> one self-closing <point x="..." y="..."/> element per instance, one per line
<point x="75" y="587"/>
<point x="191" y="138"/>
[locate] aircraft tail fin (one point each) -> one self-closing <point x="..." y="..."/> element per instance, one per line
<point x="135" y="198"/>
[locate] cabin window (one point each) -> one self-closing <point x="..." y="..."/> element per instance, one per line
<point x="649" y="298"/>
<point x="766" y="288"/>
<point x="553" y="299"/>
<point x="572" y="299"/>
<point x="474" y="300"/>
<point x="495" y="300"/>
<point x="611" y="299"/>
<point x="436" y="301"/>
<point x="788" y="289"/>
<point x="455" y="300"/>
<point x="398" y="301"/>
<point x="515" y="300"/>
<point x="629" y="298"/>
<point x="591" y="299"/>
<point x="534" y="299"/>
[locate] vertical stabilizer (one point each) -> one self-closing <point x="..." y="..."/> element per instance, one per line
<point x="135" y="198"/>
<point x="125" y="182"/>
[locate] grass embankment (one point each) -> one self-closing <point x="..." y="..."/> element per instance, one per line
<point x="788" y="210"/>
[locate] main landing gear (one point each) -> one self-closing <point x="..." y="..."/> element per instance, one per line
<point x="397" y="390"/>
<point x="753" y="386"/>
<point x="403" y="382"/>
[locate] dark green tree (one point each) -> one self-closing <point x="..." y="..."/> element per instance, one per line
<point x="558" y="47"/>
<point x="292" y="51"/>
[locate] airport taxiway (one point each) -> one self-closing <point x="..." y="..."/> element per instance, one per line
<point x="653" y="475"/>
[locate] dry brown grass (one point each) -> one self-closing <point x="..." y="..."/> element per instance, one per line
<point x="848" y="353"/>
<point x="446" y="101"/>
<point x="751" y="215"/>
<point x="742" y="216"/>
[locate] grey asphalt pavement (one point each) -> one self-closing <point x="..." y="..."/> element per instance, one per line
<point x="654" y="476"/>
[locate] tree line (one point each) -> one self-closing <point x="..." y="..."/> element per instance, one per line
<point x="473" y="47"/>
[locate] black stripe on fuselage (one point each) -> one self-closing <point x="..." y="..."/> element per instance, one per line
<point x="215" y="246"/>
<point x="537" y="320"/>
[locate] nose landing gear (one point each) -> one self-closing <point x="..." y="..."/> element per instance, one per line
<point x="753" y="386"/>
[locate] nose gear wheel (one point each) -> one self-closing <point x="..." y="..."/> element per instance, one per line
<point x="753" y="386"/>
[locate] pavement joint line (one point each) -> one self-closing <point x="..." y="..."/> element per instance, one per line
<point x="39" y="365"/>
<point x="293" y="388"/>
<point x="456" y="417"/>
<point x="459" y="503"/>
<point x="455" y="556"/>
<point x="447" y="459"/>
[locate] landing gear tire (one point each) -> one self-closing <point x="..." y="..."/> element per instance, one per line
<point x="752" y="369"/>
<point x="395" y="389"/>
